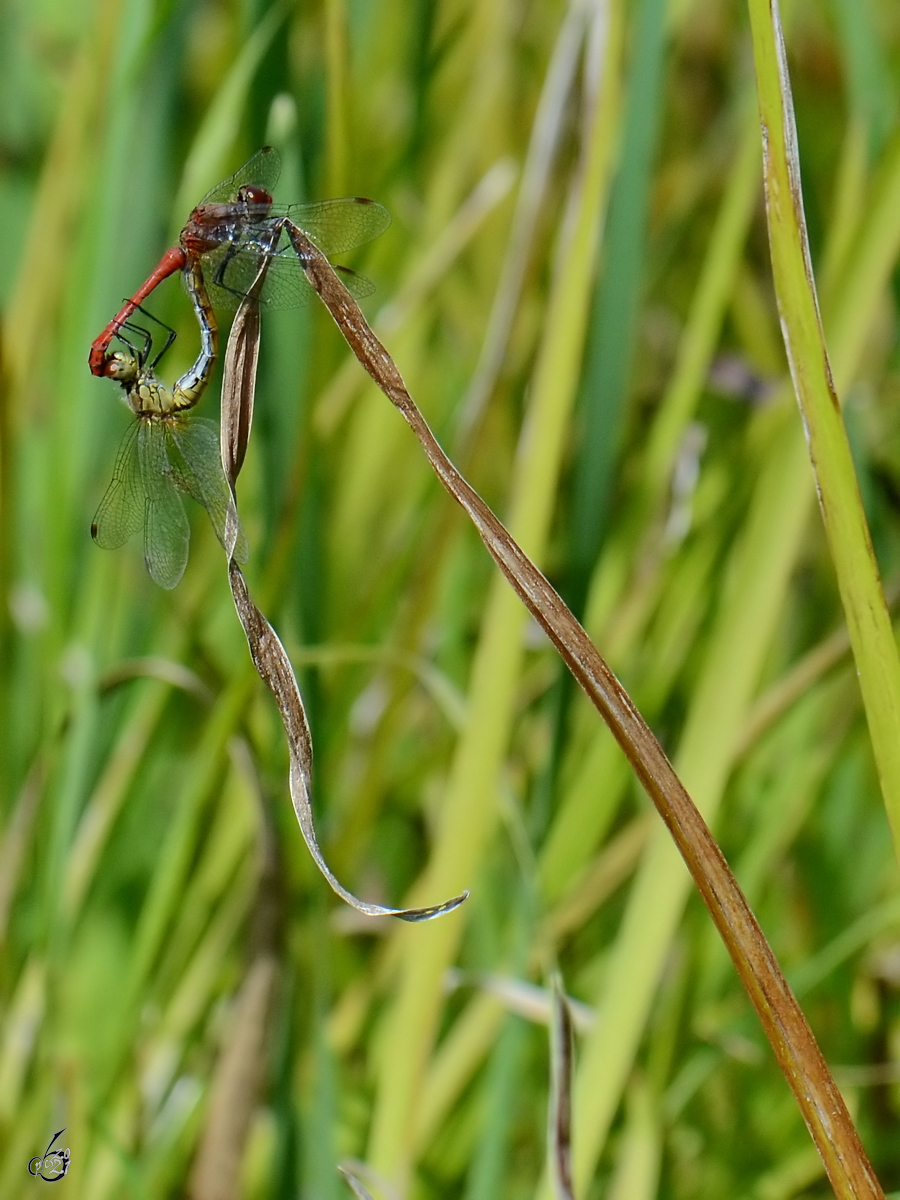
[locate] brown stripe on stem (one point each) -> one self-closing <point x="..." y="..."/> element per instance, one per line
<point x="783" y="1021"/>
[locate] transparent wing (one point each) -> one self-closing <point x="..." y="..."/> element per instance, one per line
<point x="338" y="225"/>
<point x="199" y="468"/>
<point x="230" y="275"/>
<point x="262" y="169"/>
<point x="121" y="511"/>
<point x="166" y="529"/>
<point x="357" y="285"/>
<point x="334" y="225"/>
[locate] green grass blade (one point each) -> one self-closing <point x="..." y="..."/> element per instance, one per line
<point x="874" y="645"/>
<point x="610" y="345"/>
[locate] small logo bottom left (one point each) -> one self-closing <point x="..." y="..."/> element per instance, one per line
<point x="53" y="1164"/>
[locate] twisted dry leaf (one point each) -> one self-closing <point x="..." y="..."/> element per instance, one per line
<point x="269" y="655"/>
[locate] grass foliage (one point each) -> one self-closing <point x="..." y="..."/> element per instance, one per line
<point x="577" y="289"/>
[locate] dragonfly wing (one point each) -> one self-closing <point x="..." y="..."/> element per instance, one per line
<point x="232" y="272"/>
<point x="357" y="285"/>
<point x="199" y="468"/>
<point x="166" y="529"/>
<point x="121" y="511"/>
<point x="231" y="275"/>
<point x="339" y="225"/>
<point x="262" y="169"/>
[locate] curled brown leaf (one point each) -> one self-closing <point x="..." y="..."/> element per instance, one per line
<point x="268" y="654"/>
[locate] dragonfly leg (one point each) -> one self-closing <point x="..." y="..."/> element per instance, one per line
<point x="148" y="337"/>
<point x="264" y="247"/>
<point x="142" y="353"/>
<point x="172" y="261"/>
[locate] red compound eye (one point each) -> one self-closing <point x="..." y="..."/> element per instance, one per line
<point x="251" y="194"/>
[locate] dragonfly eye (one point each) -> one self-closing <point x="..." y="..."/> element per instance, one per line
<point x="251" y="194"/>
<point x="122" y="367"/>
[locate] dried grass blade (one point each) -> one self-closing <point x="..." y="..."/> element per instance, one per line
<point x="239" y="1071"/>
<point x="236" y="1085"/>
<point x="274" y="667"/>
<point x="361" y="1192"/>
<point x="352" y="1168"/>
<point x="238" y="390"/>
<point x="542" y="150"/>
<point x="268" y="654"/>
<point x="559" y="1115"/>
<point x="783" y="1021"/>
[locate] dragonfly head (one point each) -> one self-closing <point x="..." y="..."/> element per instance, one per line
<point x="122" y="366"/>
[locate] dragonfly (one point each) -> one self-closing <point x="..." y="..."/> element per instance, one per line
<point x="237" y="226"/>
<point x="167" y="450"/>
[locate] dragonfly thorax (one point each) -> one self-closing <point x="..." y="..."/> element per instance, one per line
<point x="146" y="396"/>
<point x="143" y="391"/>
<point x="212" y="225"/>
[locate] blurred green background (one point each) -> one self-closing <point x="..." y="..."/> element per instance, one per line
<point x="576" y="287"/>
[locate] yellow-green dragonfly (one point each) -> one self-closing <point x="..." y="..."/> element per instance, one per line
<point x="167" y="451"/>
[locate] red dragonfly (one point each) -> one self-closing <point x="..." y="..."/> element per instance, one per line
<point x="166" y="452"/>
<point x="237" y="225"/>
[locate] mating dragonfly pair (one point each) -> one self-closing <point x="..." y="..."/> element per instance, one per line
<point x="233" y="231"/>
